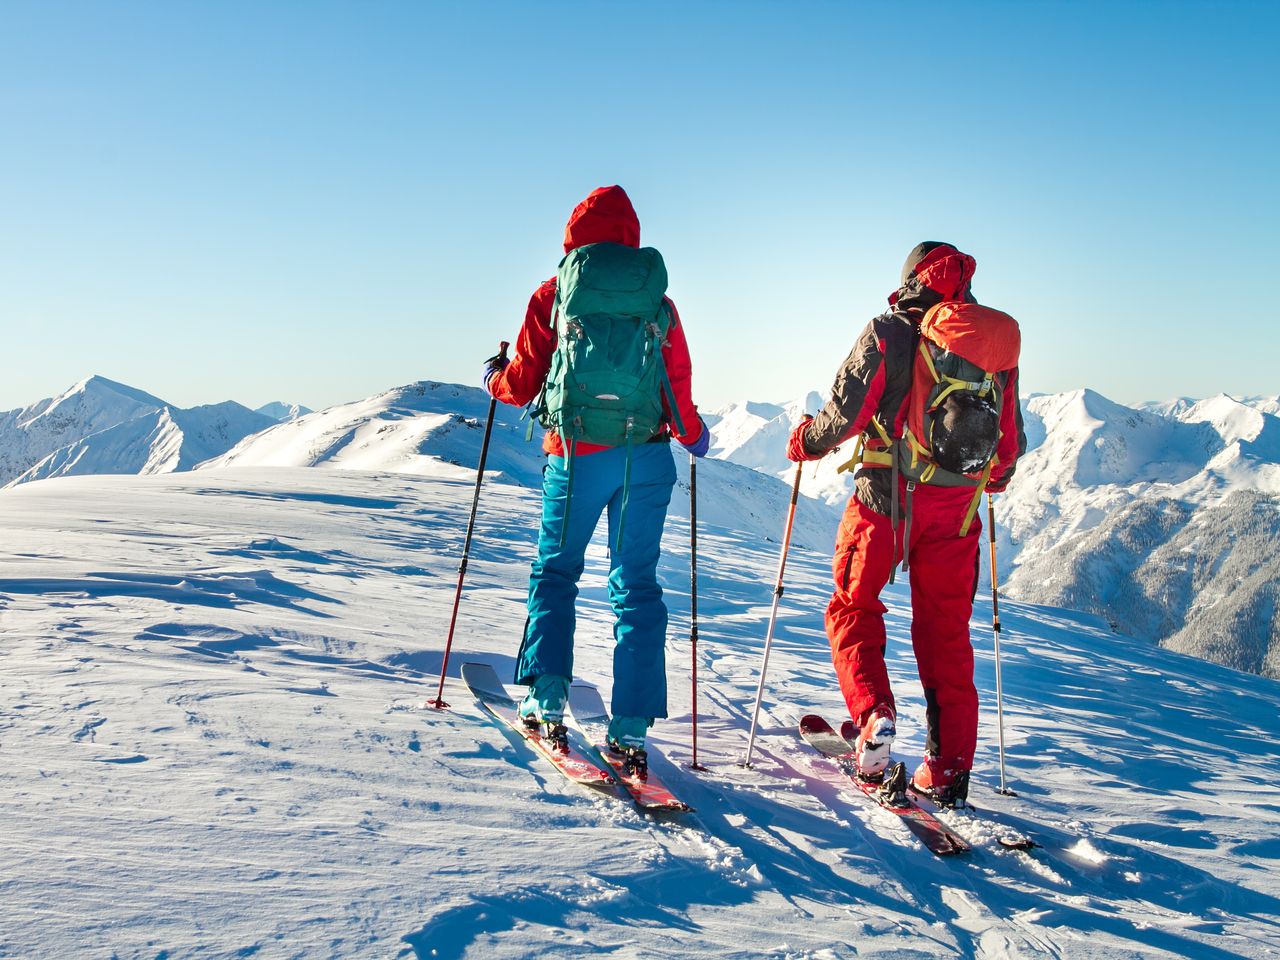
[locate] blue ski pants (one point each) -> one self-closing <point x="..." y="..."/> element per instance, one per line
<point x="640" y="626"/>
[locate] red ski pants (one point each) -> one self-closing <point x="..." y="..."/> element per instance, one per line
<point x="943" y="575"/>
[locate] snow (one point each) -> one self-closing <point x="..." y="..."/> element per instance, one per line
<point x="210" y="689"/>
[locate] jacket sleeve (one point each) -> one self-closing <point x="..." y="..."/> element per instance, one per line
<point x="1013" y="437"/>
<point x="855" y="396"/>
<point x="675" y="356"/>
<point x="523" y="377"/>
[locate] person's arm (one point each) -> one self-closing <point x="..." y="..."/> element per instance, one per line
<point x="855" y="397"/>
<point x="1013" y="438"/>
<point x="521" y="379"/>
<point x="675" y="356"/>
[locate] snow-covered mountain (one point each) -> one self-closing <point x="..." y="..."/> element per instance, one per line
<point x="755" y="435"/>
<point x="29" y="435"/>
<point x="1165" y="525"/>
<point x="213" y="747"/>
<point x="99" y="426"/>
<point x="1160" y="518"/>
<point x="278" y="410"/>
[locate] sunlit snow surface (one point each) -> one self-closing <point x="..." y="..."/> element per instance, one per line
<point x="213" y="747"/>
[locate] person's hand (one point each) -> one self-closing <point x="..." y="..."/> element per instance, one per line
<point x="700" y="446"/>
<point x="494" y="365"/>
<point x="796" y="451"/>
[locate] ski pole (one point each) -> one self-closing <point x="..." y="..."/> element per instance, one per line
<point x="773" y="615"/>
<point x="995" y="630"/>
<point x="693" y="598"/>
<point x="438" y="702"/>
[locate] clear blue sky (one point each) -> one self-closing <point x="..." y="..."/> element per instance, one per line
<point x="317" y="201"/>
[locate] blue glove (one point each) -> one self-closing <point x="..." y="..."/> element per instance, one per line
<point x="700" y="446"/>
<point x="495" y="364"/>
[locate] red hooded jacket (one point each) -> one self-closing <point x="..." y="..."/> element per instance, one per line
<point x="605" y="216"/>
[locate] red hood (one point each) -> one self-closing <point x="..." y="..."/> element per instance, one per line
<point x="606" y="216"/>
<point x="942" y="269"/>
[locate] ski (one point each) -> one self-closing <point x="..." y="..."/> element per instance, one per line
<point x="1008" y="838"/>
<point x="648" y="792"/>
<point x="890" y="795"/>
<point x="483" y="682"/>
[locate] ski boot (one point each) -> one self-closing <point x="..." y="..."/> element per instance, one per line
<point x="626" y="740"/>
<point x="544" y="707"/>
<point x="947" y="788"/>
<point x="874" y="743"/>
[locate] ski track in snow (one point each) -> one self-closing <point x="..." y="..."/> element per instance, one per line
<point x="210" y="712"/>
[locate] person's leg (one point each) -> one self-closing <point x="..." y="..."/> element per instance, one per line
<point x="855" y="616"/>
<point x="942" y="580"/>
<point x="547" y="647"/>
<point x="640" y="628"/>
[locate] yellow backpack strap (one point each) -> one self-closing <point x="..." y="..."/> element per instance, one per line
<point x="981" y="387"/>
<point x="928" y="360"/>
<point x="977" y="497"/>
<point x="856" y="459"/>
<point x="918" y="450"/>
<point x="884" y="434"/>
<point x="879" y="458"/>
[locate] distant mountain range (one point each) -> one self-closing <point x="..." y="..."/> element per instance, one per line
<point x="100" y="426"/>
<point x="1162" y="518"/>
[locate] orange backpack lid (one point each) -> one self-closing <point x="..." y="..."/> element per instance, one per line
<point x="982" y="335"/>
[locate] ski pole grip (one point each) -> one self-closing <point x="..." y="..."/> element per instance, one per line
<point x="502" y="349"/>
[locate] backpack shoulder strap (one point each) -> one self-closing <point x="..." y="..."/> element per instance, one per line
<point x="660" y="339"/>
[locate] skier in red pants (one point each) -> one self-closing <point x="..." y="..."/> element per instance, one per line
<point x="935" y="430"/>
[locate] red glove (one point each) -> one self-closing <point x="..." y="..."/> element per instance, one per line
<point x="796" y="451"/>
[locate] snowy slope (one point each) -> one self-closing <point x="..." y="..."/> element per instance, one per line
<point x="436" y="429"/>
<point x="213" y="748"/>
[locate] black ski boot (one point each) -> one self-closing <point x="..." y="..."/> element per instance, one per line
<point x="635" y="761"/>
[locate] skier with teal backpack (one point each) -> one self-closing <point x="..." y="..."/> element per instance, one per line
<point x="603" y="363"/>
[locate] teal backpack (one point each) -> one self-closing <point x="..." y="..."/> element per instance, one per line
<point x="607" y="378"/>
